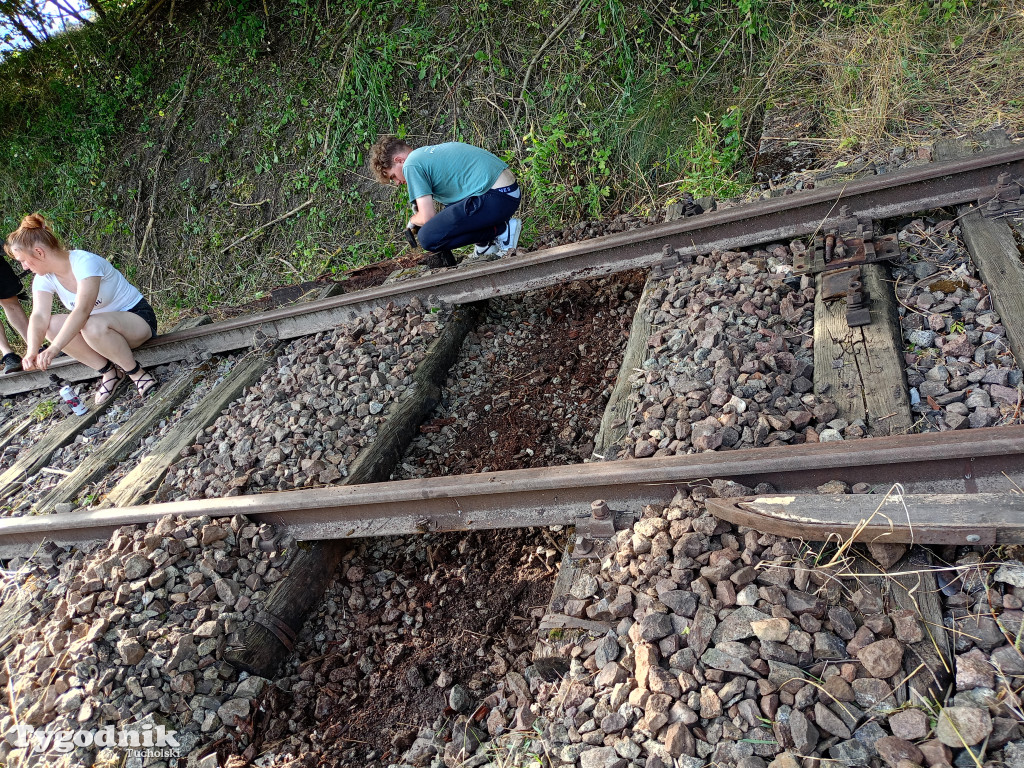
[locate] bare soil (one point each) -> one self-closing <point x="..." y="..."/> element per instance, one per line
<point x="353" y="718"/>
<point x="547" y="374"/>
<point x="356" y="280"/>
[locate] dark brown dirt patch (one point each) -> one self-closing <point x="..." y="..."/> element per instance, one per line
<point x="376" y="684"/>
<point x="534" y="386"/>
<point x="356" y="280"/>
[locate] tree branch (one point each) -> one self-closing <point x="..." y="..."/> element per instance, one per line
<point x="262" y="227"/>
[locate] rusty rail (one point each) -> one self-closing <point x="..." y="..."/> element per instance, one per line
<point x="896" y="194"/>
<point x="988" y="460"/>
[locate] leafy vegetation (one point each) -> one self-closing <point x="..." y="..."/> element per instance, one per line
<point x="44" y="409"/>
<point x="169" y="142"/>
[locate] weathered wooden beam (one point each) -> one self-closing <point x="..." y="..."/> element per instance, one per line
<point x="268" y="642"/>
<point x="13" y="429"/>
<point x="910" y="585"/>
<point x="122" y="441"/>
<point x="962" y="518"/>
<point x="614" y="422"/>
<point x="997" y="258"/>
<point x="914" y="587"/>
<point x="861" y="368"/>
<point x="146" y="477"/>
<point x="994" y="250"/>
<point x="57" y="436"/>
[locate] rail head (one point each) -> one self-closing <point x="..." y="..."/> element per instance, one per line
<point x="931" y="462"/>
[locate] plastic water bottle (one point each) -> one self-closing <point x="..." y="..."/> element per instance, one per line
<point x="69" y="396"/>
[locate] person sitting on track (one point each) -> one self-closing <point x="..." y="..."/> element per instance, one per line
<point x="109" y="316"/>
<point x="478" y="191"/>
<point x="11" y="292"/>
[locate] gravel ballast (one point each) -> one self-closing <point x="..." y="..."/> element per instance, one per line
<point x="305" y="421"/>
<point x="730" y="361"/>
<point x="960" y="369"/>
<point x="531" y="382"/>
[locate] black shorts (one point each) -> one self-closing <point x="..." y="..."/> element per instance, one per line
<point x="143" y="310"/>
<point x="10" y="284"/>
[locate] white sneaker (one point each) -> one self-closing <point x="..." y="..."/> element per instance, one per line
<point x="482" y="251"/>
<point x="509" y="239"/>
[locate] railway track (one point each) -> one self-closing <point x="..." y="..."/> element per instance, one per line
<point x="937" y="464"/>
<point x="557" y="495"/>
<point x="871" y="391"/>
<point x="950" y="462"/>
<point x="265" y="418"/>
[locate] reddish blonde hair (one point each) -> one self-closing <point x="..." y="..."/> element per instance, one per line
<point x="34" y="230"/>
<point x="382" y="156"/>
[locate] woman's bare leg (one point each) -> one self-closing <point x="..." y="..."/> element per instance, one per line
<point x="78" y="348"/>
<point x="114" y="335"/>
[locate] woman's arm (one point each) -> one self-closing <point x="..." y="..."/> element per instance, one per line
<point x="85" y="300"/>
<point x="38" y="322"/>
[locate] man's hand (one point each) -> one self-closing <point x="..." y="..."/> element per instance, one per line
<point x="28" y="362"/>
<point x="410" y="236"/>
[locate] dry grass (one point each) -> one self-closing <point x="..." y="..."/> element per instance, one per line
<point x="904" y="77"/>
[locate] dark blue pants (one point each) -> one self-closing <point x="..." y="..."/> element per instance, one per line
<point x="477" y="219"/>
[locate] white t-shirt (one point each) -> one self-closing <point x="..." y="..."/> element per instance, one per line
<point x="116" y="294"/>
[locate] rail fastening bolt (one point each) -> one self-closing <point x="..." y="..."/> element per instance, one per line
<point x="599" y="509"/>
<point x="973" y="538"/>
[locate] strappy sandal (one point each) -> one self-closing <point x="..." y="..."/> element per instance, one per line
<point x="108" y="387"/>
<point x="145" y="383"/>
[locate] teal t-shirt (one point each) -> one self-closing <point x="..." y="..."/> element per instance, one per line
<point x="451" y="171"/>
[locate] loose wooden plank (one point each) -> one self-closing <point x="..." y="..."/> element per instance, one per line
<point x="972" y="518"/>
<point x="861" y="368"/>
<point x="59" y="435"/>
<point x="995" y="251"/>
<point x="123" y="440"/>
<point x="914" y="587"/>
<point x="910" y="584"/>
<point x="293" y="597"/>
<point x="146" y="477"/>
<point x="616" y="414"/>
<point x="14" y="429"/>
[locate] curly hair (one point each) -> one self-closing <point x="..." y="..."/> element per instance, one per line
<point x="382" y="156"/>
<point x="34" y="230"/>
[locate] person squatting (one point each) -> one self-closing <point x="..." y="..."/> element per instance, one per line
<point x="11" y="295"/>
<point x="478" y="192"/>
<point x="108" y="315"/>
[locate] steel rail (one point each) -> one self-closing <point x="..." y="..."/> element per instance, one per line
<point x="950" y="462"/>
<point x="936" y="185"/>
<point x="983" y="519"/>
